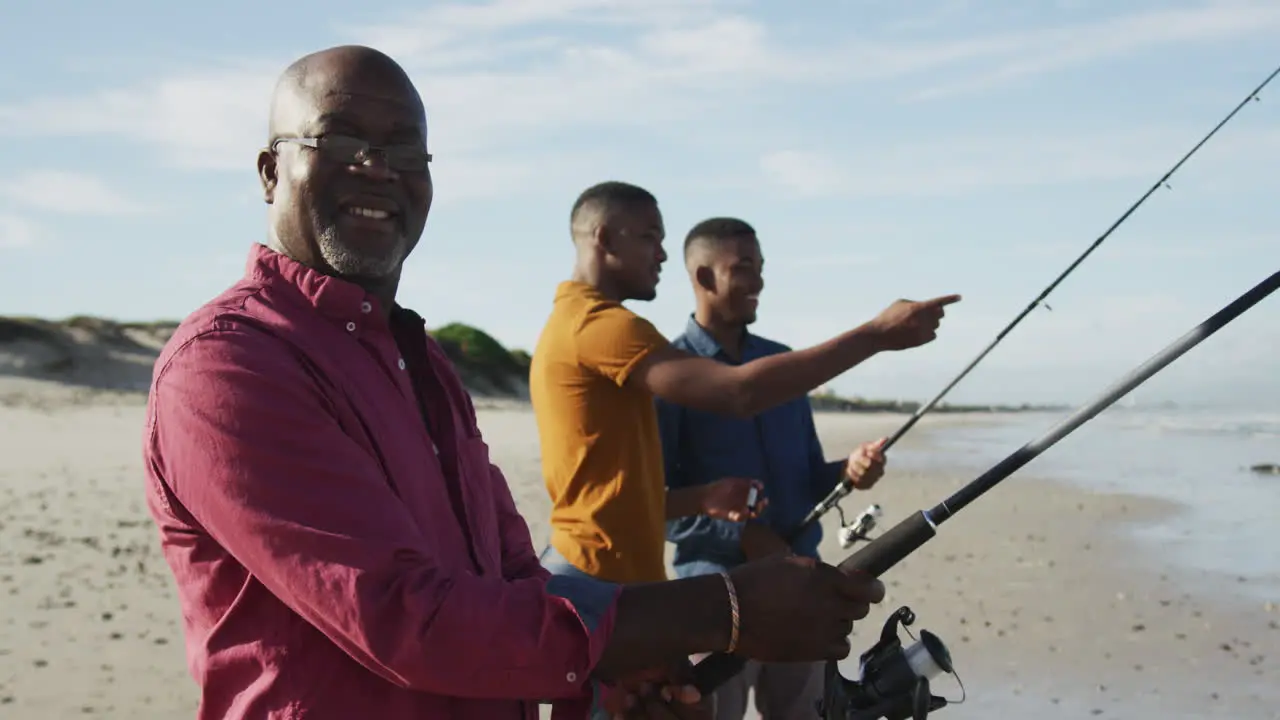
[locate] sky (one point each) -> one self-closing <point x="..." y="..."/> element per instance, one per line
<point x="882" y="149"/>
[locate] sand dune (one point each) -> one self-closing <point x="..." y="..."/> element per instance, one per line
<point x="83" y="351"/>
<point x="88" y="359"/>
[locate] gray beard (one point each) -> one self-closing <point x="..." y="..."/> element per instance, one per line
<point x="348" y="262"/>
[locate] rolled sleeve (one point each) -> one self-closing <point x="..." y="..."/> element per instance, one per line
<point x="612" y="341"/>
<point x="708" y="539"/>
<point x="243" y="439"/>
<point x="707" y="531"/>
<point x="596" y="603"/>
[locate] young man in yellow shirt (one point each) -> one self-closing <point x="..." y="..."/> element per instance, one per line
<point x="598" y="366"/>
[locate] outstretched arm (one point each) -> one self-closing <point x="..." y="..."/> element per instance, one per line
<point x="746" y="390"/>
<point x="751" y="388"/>
<point x="626" y="348"/>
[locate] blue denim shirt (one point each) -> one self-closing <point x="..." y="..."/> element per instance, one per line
<point x="779" y="447"/>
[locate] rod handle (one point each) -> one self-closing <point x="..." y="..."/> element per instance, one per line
<point x="873" y="559"/>
<point x="715" y="670"/>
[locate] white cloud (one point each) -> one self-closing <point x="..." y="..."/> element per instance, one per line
<point x="210" y="119"/>
<point x="960" y="165"/>
<point x="438" y="36"/>
<point x="508" y="73"/>
<point x="479" y="85"/>
<point x="19" y="232"/>
<point x="1027" y="54"/>
<point x="669" y="68"/>
<point x="68" y="193"/>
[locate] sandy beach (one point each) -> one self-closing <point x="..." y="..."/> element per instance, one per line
<point x="1048" y="608"/>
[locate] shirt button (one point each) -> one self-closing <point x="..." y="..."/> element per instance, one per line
<point x="366" y="307"/>
<point x="351" y="327"/>
<point x="400" y="362"/>
<point x="571" y="677"/>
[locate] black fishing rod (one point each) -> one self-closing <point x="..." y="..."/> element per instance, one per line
<point x="894" y="682"/>
<point x="843" y="489"/>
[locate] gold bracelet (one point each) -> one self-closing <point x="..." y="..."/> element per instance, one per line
<point x="733" y="611"/>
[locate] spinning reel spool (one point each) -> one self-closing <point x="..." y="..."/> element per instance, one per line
<point x="894" y="681"/>
<point x="861" y="526"/>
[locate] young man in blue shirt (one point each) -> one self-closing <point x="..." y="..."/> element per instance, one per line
<point x="780" y="447"/>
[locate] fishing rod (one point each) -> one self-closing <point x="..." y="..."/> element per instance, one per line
<point x="894" y="682"/>
<point x="844" y="488"/>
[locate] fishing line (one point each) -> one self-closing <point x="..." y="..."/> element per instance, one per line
<point x="843" y="489"/>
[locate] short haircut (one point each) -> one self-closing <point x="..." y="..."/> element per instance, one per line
<point x="609" y="195"/>
<point x="714" y="232"/>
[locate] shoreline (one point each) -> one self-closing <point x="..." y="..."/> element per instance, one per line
<point x="1037" y="589"/>
<point x="37" y="392"/>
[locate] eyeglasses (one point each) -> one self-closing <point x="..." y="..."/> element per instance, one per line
<point x="405" y="157"/>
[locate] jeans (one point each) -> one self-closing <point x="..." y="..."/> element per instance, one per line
<point x="556" y="564"/>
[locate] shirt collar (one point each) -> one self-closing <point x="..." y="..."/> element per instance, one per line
<point x="576" y="288"/>
<point x="702" y="343"/>
<point x="341" y="301"/>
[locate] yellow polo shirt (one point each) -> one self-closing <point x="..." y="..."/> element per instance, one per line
<point x="601" y="452"/>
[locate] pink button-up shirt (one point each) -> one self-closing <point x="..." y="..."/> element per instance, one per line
<point x="342" y="546"/>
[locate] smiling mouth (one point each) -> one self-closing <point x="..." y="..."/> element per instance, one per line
<point x="370" y="213"/>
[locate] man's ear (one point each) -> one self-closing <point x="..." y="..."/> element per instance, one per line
<point x="604" y="238"/>
<point x="705" y="278"/>
<point x="268" y="174"/>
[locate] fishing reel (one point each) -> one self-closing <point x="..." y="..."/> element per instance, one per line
<point x="861" y="526"/>
<point x="894" y="681"/>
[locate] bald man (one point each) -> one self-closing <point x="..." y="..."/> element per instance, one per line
<point x="341" y="543"/>
<point x="598" y="367"/>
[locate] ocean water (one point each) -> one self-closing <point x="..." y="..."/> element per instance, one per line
<point x="1197" y="458"/>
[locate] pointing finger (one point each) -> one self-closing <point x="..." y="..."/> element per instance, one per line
<point x="942" y="301"/>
